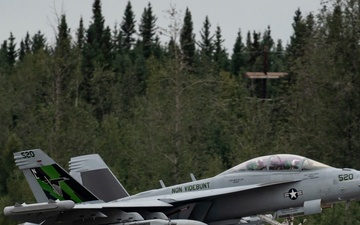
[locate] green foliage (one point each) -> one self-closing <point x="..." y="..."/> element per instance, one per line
<point x="187" y="40"/>
<point x="237" y="58"/>
<point x="206" y="43"/>
<point x="147" y="29"/>
<point x="24" y="47"/>
<point x="38" y="43"/>
<point x="128" y="27"/>
<point x="220" y="55"/>
<point x="80" y="35"/>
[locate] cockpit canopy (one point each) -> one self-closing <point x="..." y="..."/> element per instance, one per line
<point x="283" y="162"/>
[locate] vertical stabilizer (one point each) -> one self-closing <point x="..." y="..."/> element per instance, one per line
<point x="94" y="174"/>
<point x="48" y="180"/>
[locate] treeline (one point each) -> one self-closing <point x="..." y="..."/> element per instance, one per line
<point x="158" y="110"/>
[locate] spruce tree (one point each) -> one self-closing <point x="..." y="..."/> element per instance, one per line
<point x="187" y="40"/>
<point x="218" y="44"/>
<point x="255" y="53"/>
<point x="62" y="69"/>
<point x="98" y="22"/>
<point x="310" y="25"/>
<point x="80" y="35"/>
<point x="297" y="39"/>
<point x="220" y="55"/>
<point x="248" y="51"/>
<point x="206" y="44"/>
<point x="267" y="45"/>
<point x="236" y="58"/>
<point x="147" y="29"/>
<point x="279" y="58"/>
<point x="27" y="43"/>
<point x="38" y="42"/>
<point x="106" y="48"/>
<point x="95" y="34"/>
<point x="92" y="52"/>
<point x="128" y="27"/>
<point x="12" y="52"/>
<point x="24" y="47"/>
<point x="295" y="50"/>
<point x="22" y="51"/>
<point x="3" y="55"/>
<point x="63" y="39"/>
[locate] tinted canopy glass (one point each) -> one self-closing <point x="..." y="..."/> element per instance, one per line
<point x="283" y="162"/>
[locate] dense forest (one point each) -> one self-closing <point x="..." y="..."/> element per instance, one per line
<point x="157" y="110"/>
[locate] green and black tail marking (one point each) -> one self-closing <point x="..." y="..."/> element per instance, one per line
<point x="48" y="180"/>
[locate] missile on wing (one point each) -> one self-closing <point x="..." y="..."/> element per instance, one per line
<point x="54" y="206"/>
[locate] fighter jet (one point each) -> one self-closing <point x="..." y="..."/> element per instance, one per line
<point x="258" y="191"/>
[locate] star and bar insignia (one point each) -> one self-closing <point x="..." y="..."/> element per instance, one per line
<point x="293" y="194"/>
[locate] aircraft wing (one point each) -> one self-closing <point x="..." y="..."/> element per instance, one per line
<point x="169" y="200"/>
<point x="68" y="211"/>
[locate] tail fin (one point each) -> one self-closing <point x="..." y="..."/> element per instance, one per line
<point x="48" y="180"/>
<point x="93" y="173"/>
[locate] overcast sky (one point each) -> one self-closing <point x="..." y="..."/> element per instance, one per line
<point x="21" y="16"/>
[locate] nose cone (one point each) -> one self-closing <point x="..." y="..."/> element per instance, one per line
<point x="348" y="185"/>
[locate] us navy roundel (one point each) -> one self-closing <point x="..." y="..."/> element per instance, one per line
<point x="293" y="194"/>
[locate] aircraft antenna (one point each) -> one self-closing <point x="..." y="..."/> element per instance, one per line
<point x="162" y="183"/>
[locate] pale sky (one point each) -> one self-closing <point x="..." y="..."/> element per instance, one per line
<point x="21" y="16"/>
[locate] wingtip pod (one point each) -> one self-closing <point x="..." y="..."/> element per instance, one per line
<point x="24" y="209"/>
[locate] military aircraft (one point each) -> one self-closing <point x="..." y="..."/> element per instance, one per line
<point x="284" y="184"/>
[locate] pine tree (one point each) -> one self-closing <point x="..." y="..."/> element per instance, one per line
<point x="295" y="50"/>
<point x="3" y="55"/>
<point x="158" y="50"/>
<point x="296" y="47"/>
<point x="206" y="44"/>
<point x="95" y="34"/>
<point x="187" y="40"/>
<point x="220" y="55"/>
<point x="218" y="48"/>
<point x="267" y="44"/>
<point x="92" y="52"/>
<point x="107" y="48"/>
<point x="24" y="47"/>
<point x="236" y="58"/>
<point x="27" y="43"/>
<point x="147" y="29"/>
<point x="255" y="64"/>
<point x="172" y="48"/>
<point x="38" y="42"/>
<point x="128" y="27"/>
<point x="118" y="46"/>
<point x="12" y="53"/>
<point x="62" y="68"/>
<point x="22" y="51"/>
<point x="310" y="23"/>
<point x="63" y="39"/>
<point x="8" y="53"/>
<point x="98" y="22"/>
<point x="279" y="58"/>
<point x="80" y="35"/>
